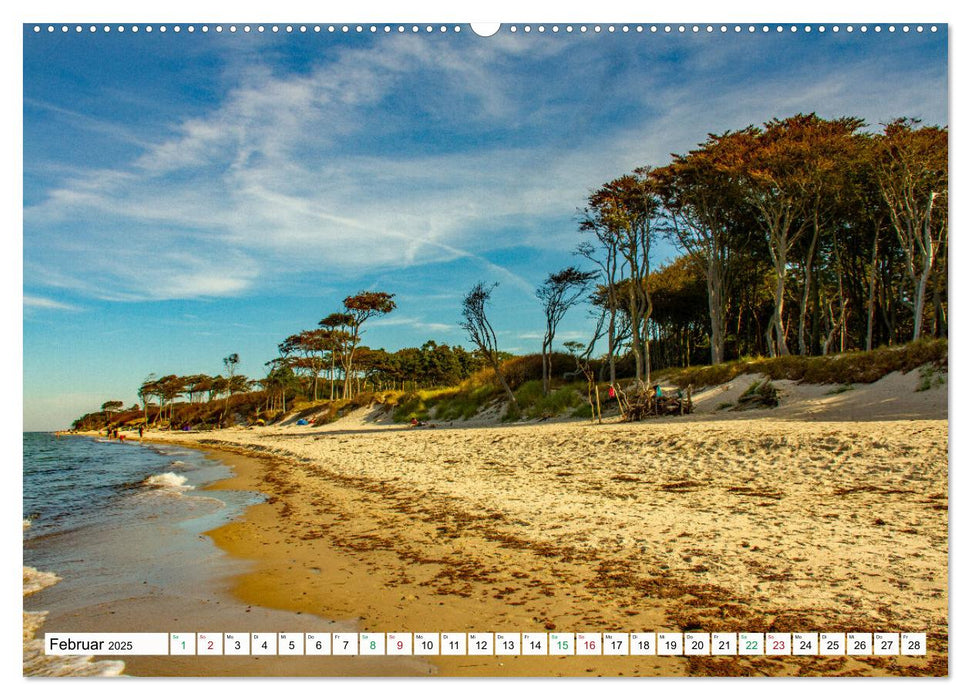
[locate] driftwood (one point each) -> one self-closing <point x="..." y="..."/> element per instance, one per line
<point x="647" y="404"/>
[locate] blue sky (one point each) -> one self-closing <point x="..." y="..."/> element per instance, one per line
<point x="191" y="195"/>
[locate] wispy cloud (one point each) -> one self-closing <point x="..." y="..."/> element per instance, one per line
<point x="35" y="302"/>
<point x="414" y="323"/>
<point x="403" y="153"/>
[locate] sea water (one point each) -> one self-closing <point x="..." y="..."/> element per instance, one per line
<point x="114" y="526"/>
<point x="114" y="541"/>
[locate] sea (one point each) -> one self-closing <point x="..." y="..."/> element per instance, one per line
<point x="115" y="531"/>
<point x="115" y="541"/>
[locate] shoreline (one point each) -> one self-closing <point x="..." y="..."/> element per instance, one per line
<point x="195" y="597"/>
<point x="342" y="540"/>
<point x="337" y="587"/>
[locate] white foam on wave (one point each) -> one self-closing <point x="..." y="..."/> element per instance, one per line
<point x="168" y="480"/>
<point x="36" y="662"/>
<point x="35" y="580"/>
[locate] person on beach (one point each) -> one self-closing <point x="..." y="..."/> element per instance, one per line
<point x="141" y="431"/>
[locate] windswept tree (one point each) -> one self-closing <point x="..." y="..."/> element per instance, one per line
<point x="196" y="385"/>
<point x="279" y="382"/>
<point x="360" y="308"/>
<point x="146" y="391"/>
<point x="559" y="293"/>
<point x="169" y="388"/>
<point x="337" y="334"/>
<point x="912" y="175"/>
<point x="218" y="386"/>
<point x="709" y="218"/>
<point x="109" y="407"/>
<point x="229" y="362"/>
<point x="622" y="214"/>
<point x="476" y="324"/>
<point x="774" y="170"/>
<point x="581" y="354"/>
<point x="311" y="348"/>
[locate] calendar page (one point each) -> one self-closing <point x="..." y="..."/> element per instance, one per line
<point x="525" y="349"/>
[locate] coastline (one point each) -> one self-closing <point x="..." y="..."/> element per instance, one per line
<point x="399" y="549"/>
<point x="194" y="594"/>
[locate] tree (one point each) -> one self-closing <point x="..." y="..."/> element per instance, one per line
<point x="196" y="385"/>
<point x="312" y="346"/>
<point x="476" y="323"/>
<point x="912" y="175"/>
<point x="709" y="218"/>
<point x="360" y="308"/>
<point x="147" y="390"/>
<point x="169" y="388"/>
<point x="829" y="147"/>
<point x="559" y="292"/>
<point x="336" y="326"/>
<point x="622" y="214"/>
<point x="679" y="294"/>
<point x="109" y="407"/>
<point x="218" y="386"/>
<point x="581" y="354"/>
<point x="229" y="362"/>
<point x="278" y="381"/>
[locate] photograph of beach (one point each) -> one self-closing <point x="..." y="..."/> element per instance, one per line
<point x="605" y="335"/>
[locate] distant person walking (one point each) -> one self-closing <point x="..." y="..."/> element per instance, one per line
<point x="141" y="431"/>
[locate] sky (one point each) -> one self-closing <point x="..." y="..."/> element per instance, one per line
<point x="187" y="196"/>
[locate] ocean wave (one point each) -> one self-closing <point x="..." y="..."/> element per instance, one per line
<point x="35" y="581"/>
<point x="168" y="480"/>
<point x="36" y="662"/>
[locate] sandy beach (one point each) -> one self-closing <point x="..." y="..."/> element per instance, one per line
<point x="801" y="518"/>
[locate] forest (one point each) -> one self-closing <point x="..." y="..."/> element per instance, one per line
<point x="802" y="236"/>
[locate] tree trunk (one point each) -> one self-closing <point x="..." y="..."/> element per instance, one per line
<point x="807" y="284"/>
<point x="611" y="346"/>
<point x="504" y="383"/>
<point x="716" y="310"/>
<point x="777" y="345"/>
<point x="871" y="292"/>
<point x="547" y="360"/>
<point x="930" y="252"/>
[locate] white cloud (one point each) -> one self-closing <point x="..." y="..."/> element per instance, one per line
<point x="35" y="302"/>
<point x="284" y="177"/>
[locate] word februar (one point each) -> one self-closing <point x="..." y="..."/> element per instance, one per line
<point x="69" y="644"/>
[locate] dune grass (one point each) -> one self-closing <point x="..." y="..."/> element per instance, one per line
<point x="847" y="368"/>
<point x="532" y="404"/>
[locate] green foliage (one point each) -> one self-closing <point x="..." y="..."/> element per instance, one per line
<point x="760" y="394"/>
<point x="464" y="404"/>
<point x="461" y="403"/>
<point x="584" y="410"/>
<point x="527" y="368"/>
<point x="410" y="406"/>
<point x="841" y="389"/>
<point x="848" y="368"/>
<point x="930" y="377"/>
<point x="533" y="404"/>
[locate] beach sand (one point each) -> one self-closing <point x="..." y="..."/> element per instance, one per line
<point x="828" y="513"/>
